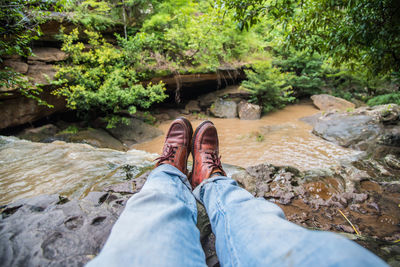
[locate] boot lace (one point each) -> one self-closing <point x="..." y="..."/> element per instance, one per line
<point x="168" y="153"/>
<point x="213" y="160"/>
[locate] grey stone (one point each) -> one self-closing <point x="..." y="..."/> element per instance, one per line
<point x="69" y="233"/>
<point x="224" y="109"/>
<point x="248" y="111"/>
<point x="346" y="130"/>
<point x="94" y="137"/>
<point x="328" y="102"/>
<point x="192" y="106"/>
<point x="39" y="134"/>
<point x="135" y="132"/>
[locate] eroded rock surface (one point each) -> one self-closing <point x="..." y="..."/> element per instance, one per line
<point x="313" y="199"/>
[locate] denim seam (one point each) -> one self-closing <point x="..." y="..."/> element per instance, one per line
<point x="232" y="254"/>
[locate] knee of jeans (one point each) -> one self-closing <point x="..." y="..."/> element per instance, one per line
<point x="269" y="207"/>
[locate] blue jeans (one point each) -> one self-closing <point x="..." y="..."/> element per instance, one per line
<point x="158" y="228"/>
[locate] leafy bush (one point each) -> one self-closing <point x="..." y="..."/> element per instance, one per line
<point x="269" y="86"/>
<point x="189" y="37"/>
<point x="98" y="78"/>
<point x="393" y="98"/>
<point x="307" y="78"/>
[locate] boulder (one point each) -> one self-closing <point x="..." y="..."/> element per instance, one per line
<point x="328" y="102"/>
<point x="18" y="66"/>
<point x="39" y="134"/>
<point x="224" y="108"/>
<point x="192" y="106"/>
<point x="94" y="137"/>
<point x="375" y="130"/>
<point x="347" y="131"/>
<point x="135" y="132"/>
<point x="47" y="54"/>
<point x="249" y="111"/>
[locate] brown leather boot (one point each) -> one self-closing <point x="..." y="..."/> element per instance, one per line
<point x="177" y="145"/>
<point x="205" y="153"/>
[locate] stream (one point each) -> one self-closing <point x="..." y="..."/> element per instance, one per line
<point x="73" y="170"/>
<point x="279" y="138"/>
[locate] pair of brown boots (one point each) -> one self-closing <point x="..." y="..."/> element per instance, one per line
<point x="203" y="145"/>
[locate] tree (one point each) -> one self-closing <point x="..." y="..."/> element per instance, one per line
<point x="361" y="33"/>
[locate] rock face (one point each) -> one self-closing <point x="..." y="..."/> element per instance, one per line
<point x="18" y="66"/>
<point x="196" y="84"/>
<point x="224" y="109"/>
<point x="20" y="110"/>
<point x="248" y="111"/>
<point x="47" y="54"/>
<point x="235" y="93"/>
<point x="41" y="73"/>
<point x="328" y="102"/>
<point x="372" y="129"/>
<point x="45" y="231"/>
<point x="17" y="109"/>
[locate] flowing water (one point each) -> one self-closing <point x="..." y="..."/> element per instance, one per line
<point x="279" y="138"/>
<point x="28" y="169"/>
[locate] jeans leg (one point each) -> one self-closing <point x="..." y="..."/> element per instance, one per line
<point x="254" y="232"/>
<point x="157" y="226"/>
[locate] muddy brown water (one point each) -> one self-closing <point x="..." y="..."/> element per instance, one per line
<point x="279" y="138"/>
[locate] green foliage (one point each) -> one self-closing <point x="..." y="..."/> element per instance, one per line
<point x="72" y="129"/>
<point x="98" y="15"/>
<point x="307" y="72"/>
<point x="99" y="78"/>
<point x="187" y="36"/>
<point x="363" y="34"/>
<point x="19" y="25"/>
<point x="269" y="86"/>
<point x="393" y="98"/>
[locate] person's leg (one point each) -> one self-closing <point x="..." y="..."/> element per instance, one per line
<point x="253" y="232"/>
<point x="157" y="227"/>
